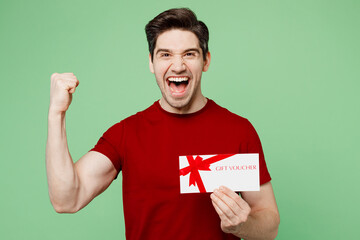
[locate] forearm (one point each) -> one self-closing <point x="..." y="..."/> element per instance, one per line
<point x="62" y="178"/>
<point x="262" y="224"/>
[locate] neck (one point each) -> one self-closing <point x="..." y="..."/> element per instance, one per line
<point x="191" y="107"/>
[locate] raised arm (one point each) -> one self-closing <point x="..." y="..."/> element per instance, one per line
<point x="71" y="186"/>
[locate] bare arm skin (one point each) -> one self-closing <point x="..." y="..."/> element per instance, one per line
<point x="253" y="216"/>
<point x="71" y="186"/>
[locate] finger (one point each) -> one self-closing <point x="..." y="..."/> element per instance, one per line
<point x="73" y="80"/>
<point x="230" y="193"/>
<point x="68" y="81"/>
<point x="217" y="209"/>
<point x="63" y="80"/>
<point x="225" y="222"/>
<point x="53" y="76"/>
<point x="71" y="87"/>
<point x="63" y="76"/>
<point x="220" y="200"/>
<point x="68" y="74"/>
<point x="71" y="90"/>
<point x="229" y="202"/>
<point x="221" y="214"/>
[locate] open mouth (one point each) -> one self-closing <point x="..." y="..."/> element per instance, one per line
<point x="178" y="84"/>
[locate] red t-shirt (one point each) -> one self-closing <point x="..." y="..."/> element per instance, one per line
<point x="146" y="148"/>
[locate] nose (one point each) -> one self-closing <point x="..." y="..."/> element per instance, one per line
<point x="178" y="64"/>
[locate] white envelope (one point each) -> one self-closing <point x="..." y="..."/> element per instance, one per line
<point x="204" y="173"/>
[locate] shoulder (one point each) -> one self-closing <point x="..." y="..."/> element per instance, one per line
<point x="134" y="119"/>
<point x="227" y="115"/>
<point x="144" y="115"/>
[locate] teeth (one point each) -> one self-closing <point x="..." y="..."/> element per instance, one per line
<point x="178" y="79"/>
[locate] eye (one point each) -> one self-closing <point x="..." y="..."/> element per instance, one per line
<point x="165" y="55"/>
<point x="191" y="55"/>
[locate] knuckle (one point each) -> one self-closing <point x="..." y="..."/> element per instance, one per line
<point x="239" y="220"/>
<point x="233" y="205"/>
<point x="236" y="220"/>
<point x="219" y="194"/>
<point x="227" y="224"/>
<point x="60" y="81"/>
<point x="54" y="77"/>
<point x="243" y="218"/>
<point x="228" y="212"/>
<point x="238" y="198"/>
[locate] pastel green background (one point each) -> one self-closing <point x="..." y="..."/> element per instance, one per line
<point x="290" y="67"/>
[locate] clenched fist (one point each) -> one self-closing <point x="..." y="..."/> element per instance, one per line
<point x="62" y="87"/>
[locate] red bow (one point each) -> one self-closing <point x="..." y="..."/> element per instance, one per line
<point x="200" y="164"/>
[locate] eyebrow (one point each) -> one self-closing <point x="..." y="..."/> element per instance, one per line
<point x="168" y="50"/>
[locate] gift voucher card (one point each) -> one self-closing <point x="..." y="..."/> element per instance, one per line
<point x="204" y="173"/>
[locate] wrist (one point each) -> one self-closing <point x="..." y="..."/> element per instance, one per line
<point x="55" y="115"/>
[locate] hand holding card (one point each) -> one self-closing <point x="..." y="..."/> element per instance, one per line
<point x="231" y="208"/>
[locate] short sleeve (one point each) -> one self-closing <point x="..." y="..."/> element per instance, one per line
<point x="254" y="146"/>
<point x="110" y="144"/>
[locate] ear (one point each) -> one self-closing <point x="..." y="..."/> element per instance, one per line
<point x="151" y="65"/>
<point x="207" y="62"/>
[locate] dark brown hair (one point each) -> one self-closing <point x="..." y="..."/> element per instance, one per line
<point x="177" y="18"/>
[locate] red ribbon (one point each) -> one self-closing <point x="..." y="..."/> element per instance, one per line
<point x="199" y="164"/>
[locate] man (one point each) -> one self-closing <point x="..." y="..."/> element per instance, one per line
<point x="146" y="148"/>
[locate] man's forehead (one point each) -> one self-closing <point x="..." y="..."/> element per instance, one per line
<point x="177" y="40"/>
